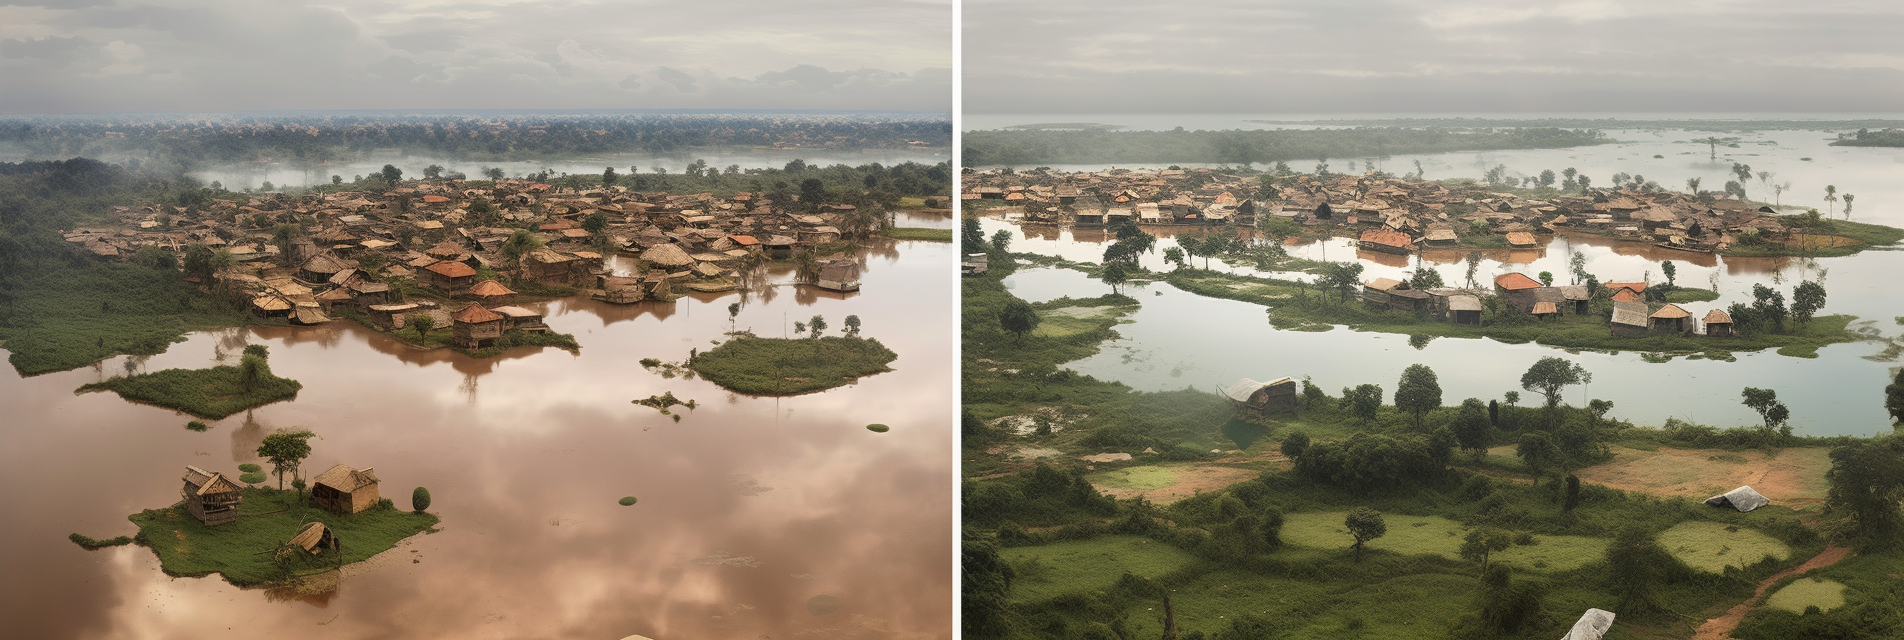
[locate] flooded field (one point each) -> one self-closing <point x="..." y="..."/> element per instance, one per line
<point x="757" y="517"/>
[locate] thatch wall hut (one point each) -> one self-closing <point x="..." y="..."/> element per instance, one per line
<point x="315" y="537"/>
<point x="1672" y="318"/>
<point x="210" y="496"/>
<point x="1629" y="318"/>
<point x="839" y="275"/>
<point x="345" y="490"/>
<point x="669" y="256"/>
<point x="1718" y="324"/>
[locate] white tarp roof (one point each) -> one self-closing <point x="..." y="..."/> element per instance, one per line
<point x="1742" y="498"/>
<point x="1592" y="625"/>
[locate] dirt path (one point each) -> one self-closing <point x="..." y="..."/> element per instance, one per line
<point x="1720" y="628"/>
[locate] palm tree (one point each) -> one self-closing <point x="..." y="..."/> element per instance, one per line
<point x="1831" y="198"/>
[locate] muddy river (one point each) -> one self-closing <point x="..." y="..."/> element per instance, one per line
<point x="750" y="509"/>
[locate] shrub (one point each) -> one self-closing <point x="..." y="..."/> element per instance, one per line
<point x="252" y="477"/>
<point x="250" y="468"/>
<point x="420" y="499"/>
<point x="197" y="425"/>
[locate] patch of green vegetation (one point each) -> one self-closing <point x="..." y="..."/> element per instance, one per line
<point x="197" y="425"/>
<point x="1087" y="565"/>
<point x="1808" y="592"/>
<point x="1142" y="478"/>
<point x="250" y="468"/>
<point x="90" y="543"/>
<point x="252" y="477"/>
<point x="627" y="501"/>
<point x="243" y="550"/>
<point x="785" y="367"/>
<point x="1681" y="295"/>
<point x="1294" y="306"/>
<point x="919" y="233"/>
<point x="513" y="338"/>
<point x="1553" y="554"/>
<point x="207" y="393"/>
<point x="1713" y="546"/>
<point x="1872" y="609"/>
<point x="1407" y="535"/>
<point x="61" y="314"/>
<point x="878" y="428"/>
<point x="664" y="402"/>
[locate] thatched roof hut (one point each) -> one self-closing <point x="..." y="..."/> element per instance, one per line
<point x="667" y="255"/>
<point x="344" y="489"/>
<point x="315" y="536"/>
<point x="1718" y="323"/>
<point x="491" y="292"/>
<point x="210" y="496"/>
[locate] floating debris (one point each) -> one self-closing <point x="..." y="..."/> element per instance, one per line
<point x="627" y="501"/>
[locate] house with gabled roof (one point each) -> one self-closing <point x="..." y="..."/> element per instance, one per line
<point x="210" y="496"/>
<point x="345" y="490"/>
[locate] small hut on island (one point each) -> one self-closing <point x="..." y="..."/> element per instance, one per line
<point x="345" y="490"/>
<point x="314" y="537"/>
<point x="839" y="275"/>
<point x="210" y="496"/>
<point x="1718" y="324"/>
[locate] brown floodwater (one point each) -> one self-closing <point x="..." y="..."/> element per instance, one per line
<point x="749" y="508"/>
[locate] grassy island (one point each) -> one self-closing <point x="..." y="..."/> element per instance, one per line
<point x="242" y="550"/>
<point x="207" y="393"/>
<point x="919" y="233"/>
<point x="787" y="367"/>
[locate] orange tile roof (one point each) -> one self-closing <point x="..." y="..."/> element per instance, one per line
<point x="475" y="314"/>
<point x="1516" y="281"/>
<point x="452" y="269"/>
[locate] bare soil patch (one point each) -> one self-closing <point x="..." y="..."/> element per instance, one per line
<point x="1791" y="477"/>
<point x="1190" y="482"/>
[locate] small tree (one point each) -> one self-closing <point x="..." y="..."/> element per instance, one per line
<point x="433" y="172"/>
<point x="1539" y="453"/>
<point x="608" y="180"/>
<point x="420" y="498"/>
<point x="423" y="324"/>
<point x="1636" y="565"/>
<point x="1001" y="241"/>
<point x="1894" y="397"/>
<point x="852" y="325"/>
<point x="1671" y="270"/>
<point x="391" y="174"/>
<point x="1471" y="427"/>
<point x="1765" y="401"/>
<point x="1365" y="524"/>
<point x="1867" y="484"/>
<point x="1548" y="377"/>
<point x="1546" y="278"/>
<point x="1483" y="542"/>
<point x="1342" y="277"/>
<point x="1418" y="392"/>
<point x="1363" y="400"/>
<point x="1115" y="275"/>
<point x="1018" y="317"/>
<point x="1174" y="255"/>
<point x="733" y="316"/>
<point x="252" y="370"/>
<point x="1807" y="298"/>
<point x="818" y="324"/>
<point x="285" y="450"/>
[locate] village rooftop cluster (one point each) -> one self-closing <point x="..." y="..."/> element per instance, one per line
<point x="1385" y="213"/>
<point x="359" y="248"/>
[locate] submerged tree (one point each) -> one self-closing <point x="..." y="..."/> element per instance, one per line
<point x="1115" y="274"/>
<point x="285" y="450"/>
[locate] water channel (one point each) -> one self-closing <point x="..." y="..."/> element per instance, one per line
<point x="749" y="508"/>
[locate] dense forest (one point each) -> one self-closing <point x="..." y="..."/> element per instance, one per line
<point x="190" y="142"/>
<point x="1100" y="146"/>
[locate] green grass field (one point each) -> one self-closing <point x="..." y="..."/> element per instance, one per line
<point x="1050" y="570"/>
<point x="919" y="233"/>
<point x="1711" y="546"/>
<point x="241" y="550"/>
<point x="1823" y="593"/>
<point x="1438" y="536"/>
<point x="1142" y="478"/>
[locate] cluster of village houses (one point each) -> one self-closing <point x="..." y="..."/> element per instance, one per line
<point x="426" y="232"/>
<point x="213" y="499"/>
<point x="1632" y="316"/>
<point x="1388" y="214"/>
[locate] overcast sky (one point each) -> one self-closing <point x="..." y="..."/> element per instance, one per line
<point x="1319" y="56"/>
<point x="62" y="56"/>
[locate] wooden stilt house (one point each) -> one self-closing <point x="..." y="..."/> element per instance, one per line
<point x="210" y="496"/>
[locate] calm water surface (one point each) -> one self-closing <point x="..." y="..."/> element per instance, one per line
<point x="525" y="456"/>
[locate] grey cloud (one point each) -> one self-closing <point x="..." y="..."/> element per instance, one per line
<point x="57" y="51"/>
<point x="1456" y="55"/>
<point x="676" y="78"/>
